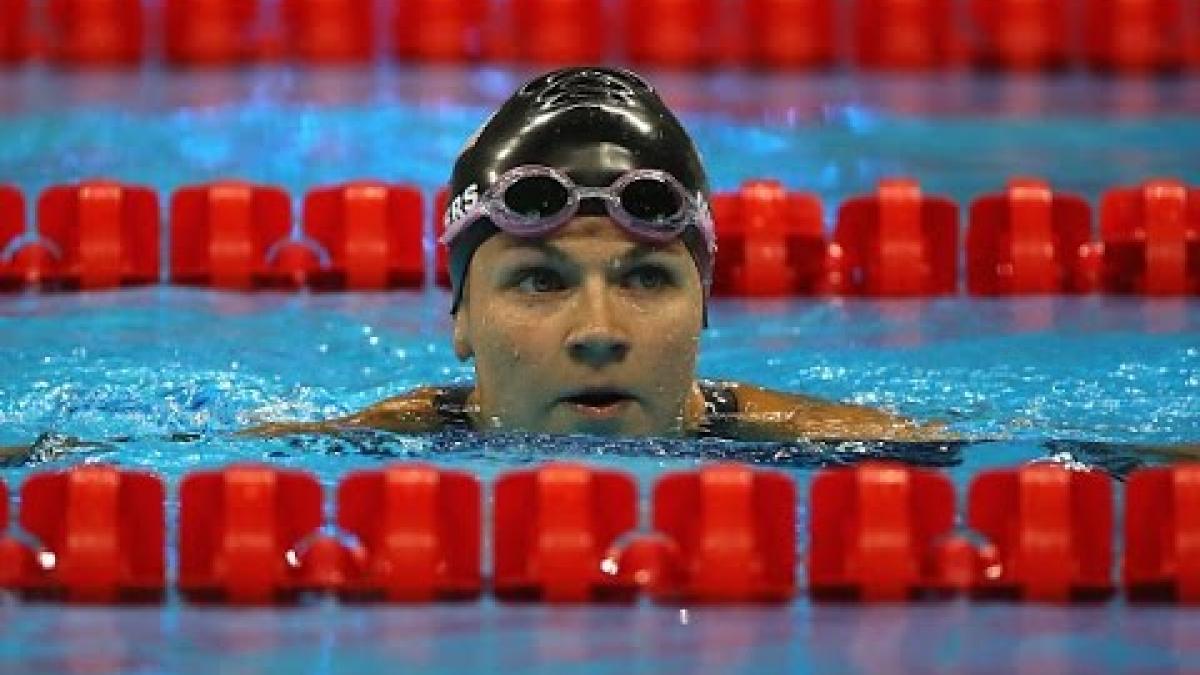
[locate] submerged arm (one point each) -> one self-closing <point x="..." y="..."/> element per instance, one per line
<point x="413" y="412"/>
<point x="1179" y="452"/>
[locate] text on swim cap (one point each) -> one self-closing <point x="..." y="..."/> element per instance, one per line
<point x="462" y="203"/>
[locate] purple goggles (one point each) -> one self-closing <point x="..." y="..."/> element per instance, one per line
<point x="531" y="201"/>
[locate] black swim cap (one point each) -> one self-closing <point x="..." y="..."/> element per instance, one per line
<point x="595" y="125"/>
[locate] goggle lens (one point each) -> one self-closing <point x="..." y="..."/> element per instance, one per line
<point x="652" y="201"/>
<point x="536" y="197"/>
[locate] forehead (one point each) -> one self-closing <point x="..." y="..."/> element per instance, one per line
<point x="584" y="236"/>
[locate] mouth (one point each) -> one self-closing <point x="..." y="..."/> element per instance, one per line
<point x="599" y="402"/>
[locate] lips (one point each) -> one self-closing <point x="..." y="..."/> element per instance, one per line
<point x="599" y="402"/>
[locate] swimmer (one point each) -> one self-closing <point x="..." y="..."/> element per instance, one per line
<point x="581" y="252"/>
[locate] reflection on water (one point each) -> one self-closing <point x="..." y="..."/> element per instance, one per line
<point x="486" y="636"/>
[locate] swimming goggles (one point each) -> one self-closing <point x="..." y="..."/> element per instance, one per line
<point x="532" y="200"/>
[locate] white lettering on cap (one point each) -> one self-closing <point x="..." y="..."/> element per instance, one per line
<point x="462" y="204"/>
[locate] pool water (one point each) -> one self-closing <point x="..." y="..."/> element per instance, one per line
<point x="160" y="376"/>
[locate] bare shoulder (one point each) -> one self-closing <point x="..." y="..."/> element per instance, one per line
<point x="414" y="411"/>
<point x="765" y="414"/>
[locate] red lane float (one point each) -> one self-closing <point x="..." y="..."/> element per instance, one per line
<point x="234" y="235"/>
<point x="12" y="214"/>
<point x="552" y="527"/>
<point x="420" y="530"/>
<point x="1135" y="35"/>
<point x="210" y="32"/>
<point x="897" y="242"/>
<point x="671" y="33"/>
<point x="732" y="536"/>
<point x="772" y="241"/>
<point x="1021" y="35"/>
<point x="14" y="30"/>
<point x="1049" y="531"/>
<point x="791" y="33"/>
<point x="1029" y="239"/>
<point x="96" y="32"/>
<point x="22" y="262"/>
<point x="1192" y="32"/>
<point x="726" y="533"/>
<point x="1162" y="534"/>
<point x="105" y="233"/>
<point x="437" y="30"/>
<point x="240" y="529"/>
<point x="552" y="32"/>
<point x="102" y="533"/>
<point x="372" y="232"/>
<point x="875" y="532"/>
<point x="1151" y="239"/>
<point x="18" y="566"/>
<point x="329" y="30"/>
<point x="905" y="34"/>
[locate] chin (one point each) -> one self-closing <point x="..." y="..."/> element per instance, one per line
<point x="569" y="422"/>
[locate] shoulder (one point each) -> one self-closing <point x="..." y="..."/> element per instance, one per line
<point x="421" y="409"/>
<point x="765" y="414"/>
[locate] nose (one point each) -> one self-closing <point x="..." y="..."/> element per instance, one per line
<point x="597" y="340"/>
<point x="597" y="347"/>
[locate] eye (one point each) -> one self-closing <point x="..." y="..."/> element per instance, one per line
<point x="649" y="278"/>
<point x="539" y="280"/>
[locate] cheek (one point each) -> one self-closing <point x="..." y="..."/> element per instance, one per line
<point x="669" y="344"/>
<point x="506" y="341"/>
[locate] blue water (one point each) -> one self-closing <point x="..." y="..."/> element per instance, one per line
<point x="160" y="376"/>
<point x="177" y="370"/>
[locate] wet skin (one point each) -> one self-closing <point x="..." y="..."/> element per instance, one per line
<point x="585" y="331"/>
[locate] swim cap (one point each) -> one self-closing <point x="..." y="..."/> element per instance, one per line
<point x="595" y="125"/>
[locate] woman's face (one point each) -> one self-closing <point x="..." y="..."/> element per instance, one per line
<point x="585" y="331"/>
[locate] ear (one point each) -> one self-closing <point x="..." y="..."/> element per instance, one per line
<point x="462" y="339"/>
